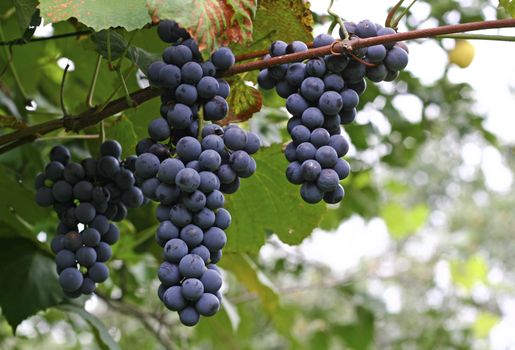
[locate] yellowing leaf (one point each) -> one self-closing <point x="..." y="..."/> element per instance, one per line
<point x="243" y="101"/>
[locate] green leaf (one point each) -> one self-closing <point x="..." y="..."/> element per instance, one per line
<point x="267" y="203"/>
<point x="122" y="131"/>
<point x="29" y="280"/>
<point x="102" y="335"/>
<point x="212" y="23"/>
<point x="24" y="11"/>
<point x="468" y="273"/>
<point x="286" y="20"/>
<point x="402" y="221"/>
<point x="359" y="335"/>
<point x="98" y="14"/>
<point x="484" y="323"/>
<point x="509" y="7"/>
<point x="243" y="101"/>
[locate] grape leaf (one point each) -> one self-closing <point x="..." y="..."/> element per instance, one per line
<point x="244" y="100"/>
<point x="267" y="203"/>
<point x="102" y="335"/>
<point x="285" y="20"/>
<point x="509" y="7"/>
<point x="29" y="281"/>
<point x="24" y="11"/>
<point x="122" y="130"/>
<point x="412" y="219"/>
<point x="212" y="23"/>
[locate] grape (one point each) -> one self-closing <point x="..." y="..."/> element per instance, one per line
<point x="192" y="235"/>
<point x="208" y="182"/>
<point x="86" y="256"/>
<point x="336" y="64"/>
<point x="296" y="104"/>
<point x="253" y="143"/>
<point x="57" y="243"/>
<point x="334" y="82"/>
<point x="73" y="173"/>
<point x="305" y="151"/>
<point x="112" y="235"/>
<point x="195" y="201"/>
<point x="216" y="256"/>
<point x="386" y="31"/>
<point x="204" y="218"/>
<point x="210" y="160"/>
<point x="82" y="190"/>
<point x="158" y="129"/>
<point x="203" y="252"/>
<point x="72" y="241"/>
<point x="44" y="197"/>
<point x="215" y="109"/>
<point x="111" y="148"/>
<point x="208" y="68"/>
<point x="207" y="87"/>
<point x="320" y="137"/>
<point x="330" y="103"/>
<point x="348" y="116"/>
<point x="377" y="73"/>
<point x="222" y="219"/>
<point x="121" y="212"/>
<point x="163" y="212"/>
<point x="39" y="181"/>
<point x="290" y="152"/>
<point x="124" y="179"/>
<point x="342" y="168"/>
<point x="315" y="67"/>
<point x="70" y="279"/>
<point x="98" y="272"/>
<point x="153" y="72"/>
<point x="54" y="171"/>
<point x="396" y="59"/>
<point x="278" y="48"/>
<point x="191" y="72"/>
<point x="376" y="53"/>
<point x="189" y="316"/>
<point x="170" y="76"/>
<point x="170" y="32"/>
<point x="239" y="160"/>
<point x="133" y="197"/>
<point x="173" y="299"/>
<point x="214" y="239"/>
<point x="177" y="55"/>
<point x="207" y="305"/>
<point x="168" y="170"/>
<point x="223" y="58"/>
<point x="108" y="166"/>
<point x="213" y="142"/>
<point x="88" y="286"/>
<point x="62" y="191"/>
<point x="326" y="156"/>
<point x="335" y="196"/>
<point x="91" y="237"/>
<point x="226" y="174"/>
<point x="350" y="99"/>
<point x="149" y="187"/>
<point x="354" y="72"/>
<point x="186" y="94"/>
<point x="211" y="280"/>
<point x="188" y="180"/>
<point x="300" y="134"/>
<point x="180" y="216"/>
<point x="167" y="194"/>
<point x="224" y="88"/>
<point x="188" y="148"/>
<point x="215" y="200"/>
<point x="212" y="129"/>
<point x="311" y="193"/>
<point x="103" y="251"/>
<point x="235" y="138"/>
<point x="85" y="213"/>
<point x="64" y="259"/>
<point x="296" y="46"/>
<point x="295" y="74"/>
<point x="169" y="274"/>
<point x="265" y="80"/>
<point x="310" y="170"/>
<point x="167" y="231"/>
<point x="328" y="180"/>
<point x="100" y="195"/>
<point x="192" y="289"/>
<point x="323" y="40"/>
<point x="312" y="88"/>
<point x="147" y="165"/>
<point x="60" y="154"/>
<point x="366" y="29"/>
<point x="192" y="266"/>
<point x="340" y="145"/>
<point x="179" y="116"/>
<point x="359" y="87"/>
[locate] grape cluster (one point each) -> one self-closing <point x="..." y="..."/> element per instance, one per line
<point x="188" y="170"/>
<point x="322" y="94"/>
<point x="90" y="193"/>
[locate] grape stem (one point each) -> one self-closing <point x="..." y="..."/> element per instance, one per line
<point x="92" y="116"/>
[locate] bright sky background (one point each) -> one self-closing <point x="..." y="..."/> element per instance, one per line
<point x="492" y="75"/>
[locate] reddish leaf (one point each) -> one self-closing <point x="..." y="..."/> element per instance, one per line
<point x="243" y="101"/>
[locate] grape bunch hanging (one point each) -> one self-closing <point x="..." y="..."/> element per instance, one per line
<point x="187" y="167"/>
<point x="322" y="94"/>
<point x="86" y="196"/>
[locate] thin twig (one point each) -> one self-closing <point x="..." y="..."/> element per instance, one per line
<point x="53" y="37"/>
<point x="89" y="98"/>
<point x="391" y="13"/>
<point x="403" y="13"/>
<point x="61" y="91"/>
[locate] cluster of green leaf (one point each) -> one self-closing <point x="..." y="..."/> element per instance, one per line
<point x="285" y="302"/>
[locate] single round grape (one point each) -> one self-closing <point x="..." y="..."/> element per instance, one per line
<point x="192" y="289"/>
<point x="168" y="170"/>
<point x="73" y="173"/>
<point x="290" y="152"/>
<point x="208" y="68"/>
<point x="342" y="168"/>
<point x="377" y="73"/>
<point x="108" y="166"/>
<point x="192" y="266"/>
<point x="222" y="219"/>
<point x="207" y="87"/>
<point x="149" y="187"/>
<point x="189" y="316"/>
<point x="328" y="180"/>
<point x="212" y="281"/>
<point x="335" y="196"/>
<point x="223" y="58"/>
<point x="386" y="31"/>
<point x="323" y="40"/>
<point x="235" y="138"/>
<point x="180" y="216"/>
<point x="215" y="200"/>
<point x="334" y="82"/>
<point x="214" y="239"/>
<point x="90" y="237"/>
<point x="305" y="151"/>
<point x="177" y="55"/>
<point x="336" y="64"/>
<point x="315" y="67"/>
<point x="170" y="76"/>
<point x="186" y="94"/>
<point x="62" y="191"/>
<point x="204" y="218"/>
<point x="103" y="251"/>
<point x="320" y="137"/>
<point x="112" y="236"/>
<point x="174" y="250"/>
<point x="326" y="156"/>
<point x="215" y="109"/>
<point x="167" y="231"/>
<point x="216" y="256"/>
<point x="85" y="212"/>
<point x="376" y="53"/>
<point x="239" y="160"/>
<point x="188" y="148"/>
<point x="82" y="190"/>
<point x="285" y="89"/>
<point x="295" y="74"/>
<point x="212" y="129"/>
<point x="226" y="174"/>
<point x="179" y="116"/>
<point x="121" y="212"/>
<point x="147" y="165"/>
<point x="296" y="104"/>
<point x="366" y="29"/>
<point x="230" y="187"/>
<point x="359" y="87"/>
<point x="348" y="116"/>
<point x="153" y="72"/>
<point x="90" y="167"/>
<point x="167" y="194"/>
<point x="133" y="197"/>
<point x="207" y="305"/>
<point x="60" y="154"/>
<point x="296" y="46"/>
<point x="311" y="193"/>
<point x="169" y="274"/>
<point x="396" y="59"/>
<point x="195" y="201"/>
<point x="44" y="197"/>
<point x="203" y="252"/>
<point x="340" y="145"/>
<point x="88" y="286"/>
<point x="224" y="88"/>
<point x="209" y="160"/>
<point x="188" y="180"/>
<point x="313" y="118"/>
<point x="173" y="299"/>
<point x="208" y="182"/>
<point x="54" y="171"/>
<point x="158" y="129"/>
<point x="72" y="241"/>
<point x="192" y="235"/>
<point x="170" y="32"/>
<point x="194" y="164"/>
<point x="111" y="148"/>
<point x="70" y="279"/>
<point x="253" y="143"/>
<point x="330" y="102"/>
<point x="300" y="134"/>
<point x="278" y="48"/>
<point x="86" y="256"/>
<point x="124" y="179"/>
<point x="350" y="99"/>
<point x="98" y="272"/>
<point x="310" y="170"/>
<point x="265" y="80"/>
<point x="354" y="72"/>
<point x="249" y="170"/>
<point x="191" y="72"/>
<point x="57" y="243"/>
<point x="64" y="259"/>
<point x="213" y="142"/>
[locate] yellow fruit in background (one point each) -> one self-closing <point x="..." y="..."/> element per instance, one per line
<point x="463" y="53"/>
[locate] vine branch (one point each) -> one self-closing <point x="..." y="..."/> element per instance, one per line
<point x="93" y="116"/>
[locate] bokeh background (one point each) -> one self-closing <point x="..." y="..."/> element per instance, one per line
<point x="419" y="255"/>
